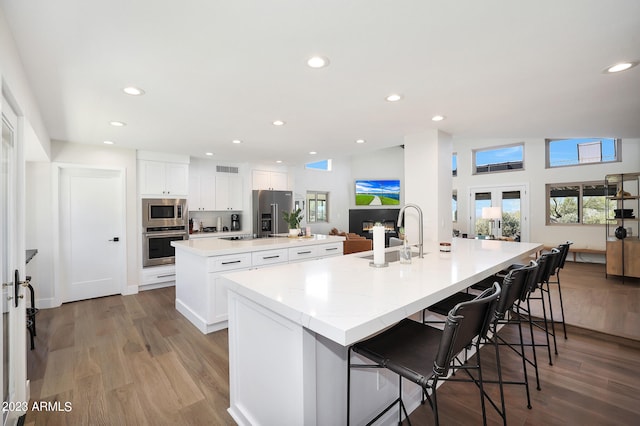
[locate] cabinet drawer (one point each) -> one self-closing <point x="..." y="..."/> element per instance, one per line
<point x="302" y="253"/>
<point x="333" y="249"/>
<point x="228" y="263"/>
<point x="269" y="257"/>
<point x="158" y="274"/>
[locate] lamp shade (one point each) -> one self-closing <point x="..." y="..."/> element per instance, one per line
<point x="491" y="213"/>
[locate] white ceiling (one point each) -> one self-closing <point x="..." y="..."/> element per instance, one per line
<point x="214" y="71"/>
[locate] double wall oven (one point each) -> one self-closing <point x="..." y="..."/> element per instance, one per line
<point x="163" y="220"/>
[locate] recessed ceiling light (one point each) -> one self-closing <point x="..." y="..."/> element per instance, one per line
<point x="312" y="152"/>
<point x="394" y="97"/>
<point x="117" y="123"/>
<point x="133" y="91"/>
<point x="278" y="161"/>
<point x="318" y="62"/>
<point x="208" y="153"/>
<point x="360" y="141"/>
<point x="236" y="141"/>
<point x="622" y="66"/>
<point x="437" y="118"/>
<point x="278" y="123"/>
<point x="108" y="142"/>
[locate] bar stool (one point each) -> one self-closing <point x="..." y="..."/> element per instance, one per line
<point x="424" y="354"/>
<point x="564" y="251"/>
<point x="516" y="286"/>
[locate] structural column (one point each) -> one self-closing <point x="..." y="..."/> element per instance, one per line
<point x="428" y="183"/>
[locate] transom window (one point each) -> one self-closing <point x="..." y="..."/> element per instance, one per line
<point x="319" y="165"/>
<point x="577" y="152"/>
<point x="498" y="159"/>
<point x="454" y="164"/>
<point x="454" y="205"/>
<point x="317" y="206"/>
<point x="578" y="203"/>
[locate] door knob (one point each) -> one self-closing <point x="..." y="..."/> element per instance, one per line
<point x="116" y="239"/>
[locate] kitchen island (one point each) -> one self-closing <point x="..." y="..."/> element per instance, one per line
<point x="200" y="295"/>
<point x="290" y="327"/>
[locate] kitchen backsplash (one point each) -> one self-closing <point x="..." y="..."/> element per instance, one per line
<point x="210" y="218"/>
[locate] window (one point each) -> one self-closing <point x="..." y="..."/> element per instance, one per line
<point x="319" y="165"/>
<point x="317" y="206"/>
<point x="578" y="203"/>
<point x="504" y="158"/>
<point x="454" y="205"/>
<point x="454" y="164"/>
<point x="576" y="152"/>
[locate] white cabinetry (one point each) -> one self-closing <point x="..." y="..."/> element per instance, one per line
<point x="264" y="179"/>
<point x="269" y="257"/>
<point x="202" y="297"/>
<point x="159" y="178"/>
<point x="202" y="189"/>
<point x="157" y="276"/>
<point x="228" y="192"/>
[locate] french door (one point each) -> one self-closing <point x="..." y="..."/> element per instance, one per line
<point x="12" y="321"/>
<point x="500" y="211"/>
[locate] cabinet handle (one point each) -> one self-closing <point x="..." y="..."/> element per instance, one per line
<point x="304" y="252"/>
<point x="330" y="249"/>
<point x="166" y="275"/>
<point x="270" y="257"/>
<point x="231" y="262"/>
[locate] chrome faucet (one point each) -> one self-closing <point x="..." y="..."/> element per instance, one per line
<point x="420" y="236"/>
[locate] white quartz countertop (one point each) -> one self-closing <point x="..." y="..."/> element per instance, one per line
<point x="345" y="300"/>
<point x="216" y="246"/>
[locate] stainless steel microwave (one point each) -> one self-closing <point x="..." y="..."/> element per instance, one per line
<point x="161" y="212"/>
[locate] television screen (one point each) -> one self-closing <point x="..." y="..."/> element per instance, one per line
<point x="371" y="192"/>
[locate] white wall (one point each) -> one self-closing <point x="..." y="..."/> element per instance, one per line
<point x="340" y="182"/>
<point x="40" y="224"/>
<point x="15" y="86"/>
<point x="336" y="182"/>
<point x="536" y="176"/>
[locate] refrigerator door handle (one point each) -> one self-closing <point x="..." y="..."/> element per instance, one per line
<point x="274" y="218"/>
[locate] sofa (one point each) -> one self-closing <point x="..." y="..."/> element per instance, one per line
<point x="354" y="243"/>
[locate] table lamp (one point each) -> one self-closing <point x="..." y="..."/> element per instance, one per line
<point x="492" y="214"/>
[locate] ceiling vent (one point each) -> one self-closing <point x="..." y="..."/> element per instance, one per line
<point x="226" y="169"/>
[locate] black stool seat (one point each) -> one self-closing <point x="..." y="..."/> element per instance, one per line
<point x="444" y="306"/>
<point x="485" y="283"/>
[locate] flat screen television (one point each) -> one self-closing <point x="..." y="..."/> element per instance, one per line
<point x="375" y="192"/>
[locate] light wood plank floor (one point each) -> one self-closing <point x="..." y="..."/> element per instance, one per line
<point x="134" y="360"/>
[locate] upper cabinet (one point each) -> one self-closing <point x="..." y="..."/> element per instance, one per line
<point x="228" y="192"/>
<point x="160" y="178"/>
<point x="213" y="187"/>
<point x="202" y="189"/>
<point x="264" y="179"/>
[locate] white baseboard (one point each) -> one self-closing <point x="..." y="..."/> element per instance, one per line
<point x="197" y="320"/>
<point x="47" y="303"/>
<point x="130" y="289"/>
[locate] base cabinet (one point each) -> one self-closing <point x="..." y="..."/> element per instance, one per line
<point x="201" y="295"/>
<point x="623" y="257"/>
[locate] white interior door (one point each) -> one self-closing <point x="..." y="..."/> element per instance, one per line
<point x="12" y="321"/>
<point x="91" y="233"/>
<point x="513" y="202"/>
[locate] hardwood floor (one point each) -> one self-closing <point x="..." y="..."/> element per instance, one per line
<point x="131" y="360"/>
<point x="592" y="301"/>
<point x="134" y="360"/>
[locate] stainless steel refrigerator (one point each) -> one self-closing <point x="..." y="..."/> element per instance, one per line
<point x="267" y="207"/>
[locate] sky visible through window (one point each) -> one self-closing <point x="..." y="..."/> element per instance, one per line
<point x="499" y="155"/>
<point x="565" y="152"/>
